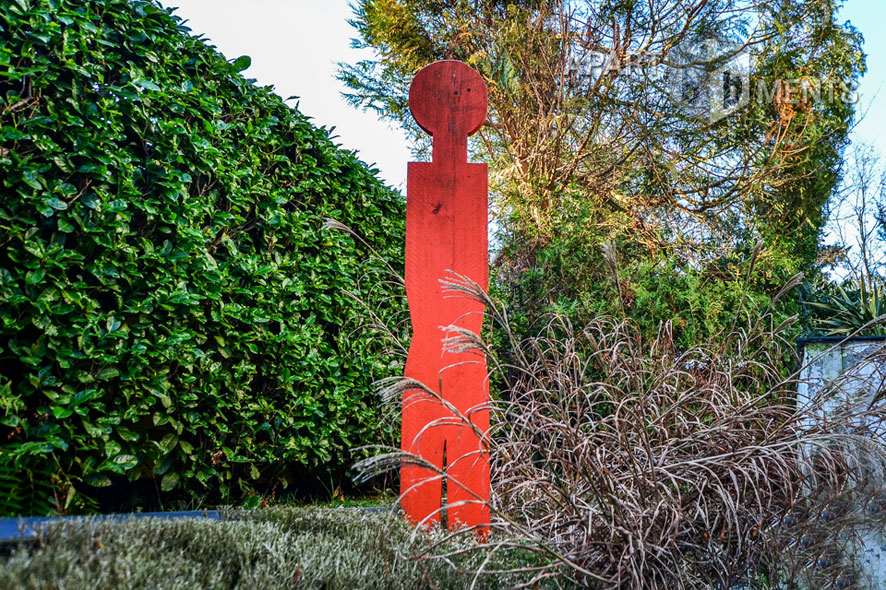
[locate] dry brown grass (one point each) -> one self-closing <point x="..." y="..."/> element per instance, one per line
<point x="632" y="464"/>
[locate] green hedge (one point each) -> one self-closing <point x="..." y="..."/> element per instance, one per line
<point x="171" y="306"/>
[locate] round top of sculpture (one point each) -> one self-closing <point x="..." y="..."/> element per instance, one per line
<point x="448" y="97"/>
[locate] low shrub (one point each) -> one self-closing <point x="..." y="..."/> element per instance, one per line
<point x="281" y="548"/>
<point x="171" y="307"/>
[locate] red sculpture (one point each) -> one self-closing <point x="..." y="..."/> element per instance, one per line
<point x="446" y="230"/>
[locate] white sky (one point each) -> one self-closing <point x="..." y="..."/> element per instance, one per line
<point x="294" y="46"/>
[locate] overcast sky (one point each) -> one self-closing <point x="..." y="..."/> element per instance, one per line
<point x="295" y="44"/>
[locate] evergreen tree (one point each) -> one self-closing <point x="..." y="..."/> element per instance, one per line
<point x="680" y="132"/>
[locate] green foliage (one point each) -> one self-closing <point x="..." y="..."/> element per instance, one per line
<point x="171" y="306"/>
<point x="333" y="549"/>
<point x="858" y="307"/>
<point x="569" y="275"/>
<point x="24" y="491"/>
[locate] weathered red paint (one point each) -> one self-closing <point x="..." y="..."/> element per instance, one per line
<point x="446" y="229"/>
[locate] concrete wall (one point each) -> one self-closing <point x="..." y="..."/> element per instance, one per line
<point x="859" y="366"/>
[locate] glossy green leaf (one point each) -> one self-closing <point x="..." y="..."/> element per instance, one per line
<point x="168" y="287"/>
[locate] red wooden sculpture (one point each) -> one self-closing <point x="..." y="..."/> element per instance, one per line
<point x="446" y="229"/>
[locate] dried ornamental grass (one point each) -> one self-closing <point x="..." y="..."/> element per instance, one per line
<point x="630" y="464"/>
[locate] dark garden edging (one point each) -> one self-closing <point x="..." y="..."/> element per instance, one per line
<point x="24" y="528"/>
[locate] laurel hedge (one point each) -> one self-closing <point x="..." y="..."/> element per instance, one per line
<point x="171" y="306"/>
